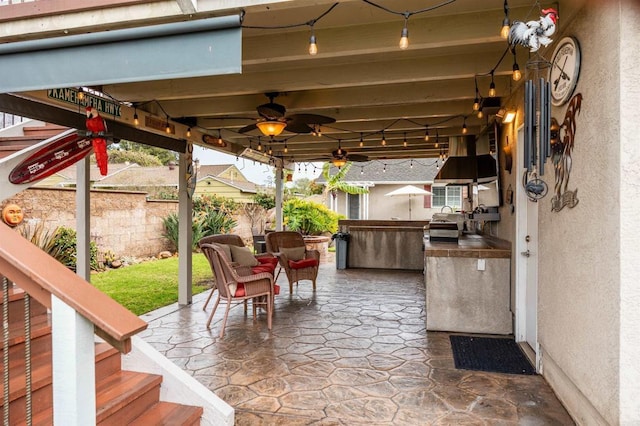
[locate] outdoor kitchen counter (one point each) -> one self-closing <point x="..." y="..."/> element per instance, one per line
<point x="468" y="285"/>
<point x="469" y="245"/>
<point x="385" y="244"/>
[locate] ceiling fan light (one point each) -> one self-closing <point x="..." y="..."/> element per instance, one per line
<point x="339" y="161"/>
<point x="271" y="127"/>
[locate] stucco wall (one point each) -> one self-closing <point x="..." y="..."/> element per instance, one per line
<point x="123" y="222"/>
<point x="629" y="208"/>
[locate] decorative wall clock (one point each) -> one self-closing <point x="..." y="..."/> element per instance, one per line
<point x="565" y="70"/>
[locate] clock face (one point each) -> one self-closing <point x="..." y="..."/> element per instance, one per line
<point x="564" y="71"/>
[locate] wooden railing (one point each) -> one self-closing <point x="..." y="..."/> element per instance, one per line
<point x="77" y="309"/>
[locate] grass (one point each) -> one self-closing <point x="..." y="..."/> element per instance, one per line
<point x="147" y="286"/>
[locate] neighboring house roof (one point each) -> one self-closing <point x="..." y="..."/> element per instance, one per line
<point x="240" y="185"/>
<point x="68" y="176"/>
<point x="141" y="176"/>
<point x="403" y="171"/>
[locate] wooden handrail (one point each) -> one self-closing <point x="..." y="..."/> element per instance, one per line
<point x="40" y="275"/>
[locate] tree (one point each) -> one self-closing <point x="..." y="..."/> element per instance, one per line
<point x="139" y="157"/>
<point x="164" y="155"/>
<point x="336" y="182"/>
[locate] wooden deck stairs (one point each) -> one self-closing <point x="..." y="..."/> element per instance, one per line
<point x="32" y="135"/>
<point x="122" y="397"/>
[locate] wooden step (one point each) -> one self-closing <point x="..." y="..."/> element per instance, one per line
<point x="170" y="414"/>
<point x="43" y="132"/>
<point x="125" y="395"/>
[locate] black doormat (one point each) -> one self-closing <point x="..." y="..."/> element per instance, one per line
<point x="498" y="355"/>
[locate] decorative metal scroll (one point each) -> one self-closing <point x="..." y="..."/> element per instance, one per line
<point x="561" y="156"/>
<point x="191" y="174"/>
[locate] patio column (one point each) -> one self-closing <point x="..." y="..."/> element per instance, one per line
<point x="185" y="232"/>
<point x="279" y="193"/>
<point x="83" y="219"/>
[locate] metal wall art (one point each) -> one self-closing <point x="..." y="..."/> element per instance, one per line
<point x="561" y="147"/>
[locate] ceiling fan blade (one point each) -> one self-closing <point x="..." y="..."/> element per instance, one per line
<point x="295" y="126"/>
<point x="271" y="110"/>
<point x="248" y="128"/>
<point x="312" y="118"/>
<point x="357" y="157"/>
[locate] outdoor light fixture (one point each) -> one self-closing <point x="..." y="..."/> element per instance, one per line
<point x="136" y="121"/>
<point x="509" y="116"/>
<point x="426" y="134"/>
<point x="313" y="47"/>
<point x="189" y="132"/>
<point x="404" y="35"/>
<point x="384" y="140"/>
<point x="361" y="141"/>
<point x="517" y="75"/>
<point x="286" y="149"/>
<point x="492" y="87"/>
<point x="220" y="141"/>
<point x="476" y="100"/>
<point x="464" y="126"/>
<point x="339" y="161"/>
<point x="480" y="113"/>
<point x="167" y="127"/>
<point x="271" y="127"/>
<point x="504" y="31"/>
<point x="404" y="142"/>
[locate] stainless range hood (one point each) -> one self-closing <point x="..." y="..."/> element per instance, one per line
<point x="464" y="166"/>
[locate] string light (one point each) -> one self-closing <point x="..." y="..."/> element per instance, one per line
<point x="270" y="150"/>
<point x="504" y="31"/>
<point x="136" y="121"/>
<point x="384" y="169"/>
<point x="404" y="34"/>
<point x="220" y="141"/>
<point x="259" y="144"/>
<point x="480" y="113"/>
<point x="361" y="170"/>
<point x="285" y="148"/>
<point x="361" y="141"/>
<point x="404" y="142"/>
<point x="464" y="126"/>
<point x="426" y="133"/>
<point x="476" y="101"/>
<point x="411" y="164"/>
<point x="384" y="140"/>
<point x="168" y="127"/>
<point x="492" y="87"/>
<point x="189" y="132"/>
<point x="313" y="47"/>
<point x="517" y="75"/>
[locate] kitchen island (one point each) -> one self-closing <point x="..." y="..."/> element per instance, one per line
<point x="468" y="285"/>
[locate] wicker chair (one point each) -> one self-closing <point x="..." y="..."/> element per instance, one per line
<point x="305" y="268"/>
<point x="236" y="288"/>
<point x="235" y="240"/>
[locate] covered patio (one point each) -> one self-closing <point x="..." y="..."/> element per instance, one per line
<point x="356" y="351"/>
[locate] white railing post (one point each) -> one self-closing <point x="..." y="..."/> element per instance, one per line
<point x="74" y="388"/>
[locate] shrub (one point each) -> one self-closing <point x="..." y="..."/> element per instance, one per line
<point x="264" y="200"/>
<point x="207" y="203"/>
<point x="309" y="218"/>
<point x="61" y="244"/>
<point x="204" y="223"/>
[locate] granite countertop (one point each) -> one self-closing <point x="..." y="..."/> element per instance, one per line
<point x="469" y="245"/>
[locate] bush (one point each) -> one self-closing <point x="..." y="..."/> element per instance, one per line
<point x="264" y="200"/>
<point x="309" y="218"/>
<point x="204" y="223"/>
<point x="61" y="244"/>
<point x="206" y="203"/>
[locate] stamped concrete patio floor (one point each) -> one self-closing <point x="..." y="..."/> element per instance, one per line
<point x="355" y="352"/>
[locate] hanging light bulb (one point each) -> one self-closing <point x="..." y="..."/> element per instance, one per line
<point x="384" y="140"/>
<point x="361" y="141"/>
<point x="464" y="127"/>
<point x="361" y="170"/>
<point x="167" y="127"/>
<point x="426" y="134"/>
<point x="504" y="31"/>
<point x="517" y="75"/>
<point x="136" y="121"/>
<point x="404" y="35"/>
<point x="189" y="132"/>
<point x="80" y="94"/>
<point x="285" y="148"/>
<point x="339" y="147"/>
<point x="270" y="150"/>
<point x="384" y="169"/>
<point x="492" y="87"/>
<point x="404" y="142"/>
<point x="313" y="47"/>
<point x="411" y="164"/>
<point x="220" y="141"/>
<point x="259" y="145"/>
<point x="476" y="101"/>
<point x="480" y="113"/>
<point x="435" y="145"/>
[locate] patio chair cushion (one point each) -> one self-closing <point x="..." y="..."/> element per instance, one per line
<point x="303" y="263"/>
<point x="243" y="256"/>
<point x="293" y="253"/>
<point x="240" y="290"/>
<point x="262" y="268"/>
<point x="271" y="260"/>
<point x="227" y="251"/>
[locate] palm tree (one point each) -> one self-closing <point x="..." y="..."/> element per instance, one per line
<point x="336" y="182"/>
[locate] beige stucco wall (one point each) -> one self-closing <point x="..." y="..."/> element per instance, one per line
<point x="588" y="296"/>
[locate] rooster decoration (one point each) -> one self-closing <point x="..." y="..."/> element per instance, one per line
<point x="96" y="130"/>
<point x="532" y="34"/>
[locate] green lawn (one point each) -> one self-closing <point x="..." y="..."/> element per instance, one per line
<point x="146" y="286"/>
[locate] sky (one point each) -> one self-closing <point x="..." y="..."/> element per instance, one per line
<point x="257" y="173"/>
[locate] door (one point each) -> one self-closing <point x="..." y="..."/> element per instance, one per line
<point x="353" y="206"/>
<point x="526" y="261"/>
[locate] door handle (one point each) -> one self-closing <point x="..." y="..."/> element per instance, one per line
<point x="526" y="253"/>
